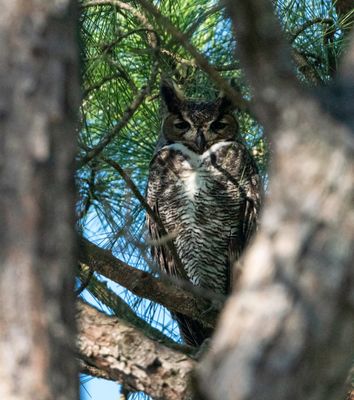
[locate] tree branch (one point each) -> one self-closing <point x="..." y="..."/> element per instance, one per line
<point x="144" y="91"/>
<point x="155" y="217"/>
<point x="201" y="61"/>
<point x="123" y="311"/>
<point x="265" y="56"/>
<point x="124" y="354"/>
<point x="306" y="69"/>
<point x="143" y="284"/>
<point x="127" y="115"/>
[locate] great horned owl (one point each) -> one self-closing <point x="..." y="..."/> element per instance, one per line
<point x="205" y="187"/>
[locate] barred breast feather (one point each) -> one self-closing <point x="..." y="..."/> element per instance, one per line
<point x="209" y="204"/>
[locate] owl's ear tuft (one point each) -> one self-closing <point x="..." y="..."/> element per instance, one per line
<point x="171" y="95"/>
<point x="225" y="105"/>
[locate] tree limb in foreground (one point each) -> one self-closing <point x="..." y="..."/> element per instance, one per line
<point x="39" y="99"/>
<point x="122" y="353"/>
<point x="287" y="331"/>
<point x="174" y="297"/>
<point x="118" y="307"/>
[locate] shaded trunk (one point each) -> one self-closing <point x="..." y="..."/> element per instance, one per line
<point x="287" y="331"/>
<point x="38" y="106"/>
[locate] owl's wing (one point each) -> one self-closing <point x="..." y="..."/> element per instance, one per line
<point x="159" y="249"/>
<point x="253" y="191"/>
<point x="193" y="332"/>
<point x="250" y="197"/>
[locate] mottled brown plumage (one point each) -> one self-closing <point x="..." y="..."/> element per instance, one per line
<point x="205" y="187"/>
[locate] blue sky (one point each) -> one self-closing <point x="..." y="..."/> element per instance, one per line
<point x="98" y="389"/>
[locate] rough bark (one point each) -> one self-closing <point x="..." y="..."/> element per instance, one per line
<point x="122" y="353"/>
<point x="143" y="284"/>
<point x="38" y="104"/>
<point x="287" y="331"/>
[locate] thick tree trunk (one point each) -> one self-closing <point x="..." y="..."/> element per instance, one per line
<point x="118" y="351"/>
<point x="287" y="331"/>
<point x="38" y="104"/>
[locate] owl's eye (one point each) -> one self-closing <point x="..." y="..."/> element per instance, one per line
<point x="183" y="125"/>
<point x="217" y="126"/>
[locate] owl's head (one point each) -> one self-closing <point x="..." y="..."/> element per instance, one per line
<point x="197" y="125"/>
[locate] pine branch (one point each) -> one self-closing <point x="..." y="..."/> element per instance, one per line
<point x="123" y="122"/>
<point x="111" y="348"/>
<point x="121" y="309"/>
<point x="200" y="60"/>
<point x="201" y="306"/>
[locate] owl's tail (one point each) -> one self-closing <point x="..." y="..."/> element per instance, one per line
<point x="192" y="331"/>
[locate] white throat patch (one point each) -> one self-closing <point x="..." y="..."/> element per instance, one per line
<point x="194" y="174"/>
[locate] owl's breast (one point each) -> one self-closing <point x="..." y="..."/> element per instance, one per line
<point x="200" y="200"/>
<point x="199" y="174"/>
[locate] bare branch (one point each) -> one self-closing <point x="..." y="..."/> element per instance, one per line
<point x="124" y="354"/>
<point x="90" y="370"/>
<point x="153" y="40"/>
<point x="84" y="283"/>
<point x="123" y="311"/>
<point x="305" y="68"/>
<point x="308" y="24"/>
<point x="144" y="91"/>
<point x="143" y="284"/>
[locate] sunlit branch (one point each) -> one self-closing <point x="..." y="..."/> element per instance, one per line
<point x="305" y="68"/>
<point x="122" y="310"/>
<point x="113" y="349"/>
<point x="204" y="307"/>
<point x="153" y="40"/>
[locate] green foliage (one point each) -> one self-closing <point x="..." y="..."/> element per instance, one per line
<point x="125" y="52"/>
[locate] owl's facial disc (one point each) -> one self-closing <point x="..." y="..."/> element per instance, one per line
<point x="199" y="131"/>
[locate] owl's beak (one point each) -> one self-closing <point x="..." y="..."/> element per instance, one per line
<point x="200" y="142"/>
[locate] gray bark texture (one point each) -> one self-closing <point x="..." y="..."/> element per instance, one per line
<point x="113" y="349"/>
<point x="38" y="113"/>
<point x="287" y="331"/>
